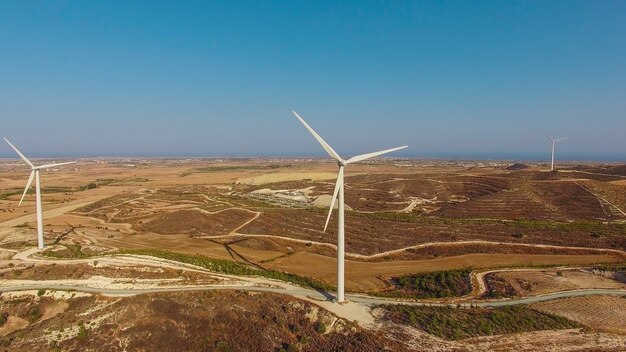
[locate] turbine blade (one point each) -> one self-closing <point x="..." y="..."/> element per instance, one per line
<point x="47" y="166"/>
<point x="335" y="192"/>
<point x="550" y="138"/>
<point x="561" y="139"/>
<point x="325" y="145"/>
<point x="20" y="154"/>
<point x="30" y="180"/>
<point x="362" y="157"/>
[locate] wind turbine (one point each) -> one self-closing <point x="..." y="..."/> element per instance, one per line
<point x="554" y="142"/>
<point x="339" y="191"/>
<point x="35" y="174"/>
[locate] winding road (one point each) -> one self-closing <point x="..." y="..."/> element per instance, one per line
<point x="312" y="294"/>
<point x="356" y="309"/>
<point x="259" y="284"/>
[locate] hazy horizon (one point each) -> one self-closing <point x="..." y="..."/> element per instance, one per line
<point x="477" y="156"/>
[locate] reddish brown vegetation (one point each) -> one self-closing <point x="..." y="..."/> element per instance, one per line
<point x="438" y="251"/>
<point x="498" y="287"/>
<point x="201" y="321"/>
<point x="83" y="271"/>
<point x="196" y="222"/>
<point x="369" y="235"/>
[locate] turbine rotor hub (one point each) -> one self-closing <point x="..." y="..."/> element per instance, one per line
<point x="341" y="163"/>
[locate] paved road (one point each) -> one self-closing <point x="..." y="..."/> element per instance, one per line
<point x="314" y="294"/>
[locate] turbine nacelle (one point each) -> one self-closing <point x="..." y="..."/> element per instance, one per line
<point x="555" y="140"/>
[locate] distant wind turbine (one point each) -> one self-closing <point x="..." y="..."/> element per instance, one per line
<point x="554" y="142"/>
<point x="35" y="174"/>
<point x="339" y="191"/>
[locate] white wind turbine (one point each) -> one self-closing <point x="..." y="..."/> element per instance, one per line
<point x="339" y="191"/>
<point x="554" y="142"/>
<point x="35" y="174"/>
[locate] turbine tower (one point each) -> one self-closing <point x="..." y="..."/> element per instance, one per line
<point x="35" y="174"/>
<point x="554" y="142"/>
<point x="339" y="191"/>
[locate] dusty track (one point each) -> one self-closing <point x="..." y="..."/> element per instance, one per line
<point x="403" y="249"/>
<point x="259" y="284"/>
<point x="313" y="294"/>
<point x="50" y="213"/>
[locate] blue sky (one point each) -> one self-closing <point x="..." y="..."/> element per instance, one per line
<point x="451" y="79"/>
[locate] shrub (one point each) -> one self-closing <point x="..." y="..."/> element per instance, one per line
<point x="436" y="284"/>
<point x="71" y="251"/>
<point x="4" y="316"/>
<point x="82" y="332"/>
<point x="612" y="267"/>
<point x="454" y="324"/>
<point x="54" y="346"/>
<point x="321" y="328"/>
<point x="41" y="292"/>
<point x="34" y="314"/>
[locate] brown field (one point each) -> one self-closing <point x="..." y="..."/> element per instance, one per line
<point x="406" y="217"/>
<point x="410" y="218"/>
<point x="521" y="283"/>
<point x="83" y="271"/>
<point x="601" y="313"/>
<point x="367" y="276"/>
<point x="197" y="223"/>
<point x="366" y="234"/>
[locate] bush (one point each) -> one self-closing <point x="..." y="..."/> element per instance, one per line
<point x="460" y="323"/>
<point x="612" y="267"/>
<point x="34" y="314"/>
<point x="4" y="316"/>
<point x="41" y="292"/>
<point x="436" y="284"/>
<point x="54" y="346"/>
<point x="82" y="332"/>
<point x="6" y="342"/>
<point x="71" y="251"/>
<point x="321" y="328"/>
